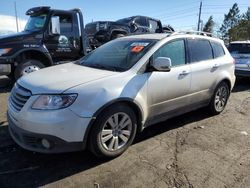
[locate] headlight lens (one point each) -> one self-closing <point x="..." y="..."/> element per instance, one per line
<point x="54" y="102"/>
<point x="5" y="51"/>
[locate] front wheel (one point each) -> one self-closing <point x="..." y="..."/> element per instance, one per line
<point x="219" y="99"/>
<point x="113" y="131"/>
<point x="27" y="67"/>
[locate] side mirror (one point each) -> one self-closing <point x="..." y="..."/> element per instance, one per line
<point x="162" y="64"/>
<point x="55" y="25"/>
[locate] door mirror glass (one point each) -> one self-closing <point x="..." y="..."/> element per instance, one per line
<point x="55" y="25"/>
<point x="162" y="64"/>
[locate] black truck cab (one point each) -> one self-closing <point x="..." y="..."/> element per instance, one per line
<point x="50" y="36"/>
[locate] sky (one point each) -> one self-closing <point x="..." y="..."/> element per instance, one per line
<point x="182" y="15"/>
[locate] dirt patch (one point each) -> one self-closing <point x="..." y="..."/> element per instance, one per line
<point x="193" y="150"/>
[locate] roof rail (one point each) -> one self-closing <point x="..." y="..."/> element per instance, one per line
<point x="194" y="32"/>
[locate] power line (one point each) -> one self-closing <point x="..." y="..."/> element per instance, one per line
<point x="177" y="13"/>
<point x="179" y="17"/>
<point x="173" y="8"/>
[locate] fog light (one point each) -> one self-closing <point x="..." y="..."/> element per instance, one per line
<point x="45" y="143"/>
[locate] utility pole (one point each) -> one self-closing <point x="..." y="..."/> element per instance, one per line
<point x="199" y="19"/>
<point x="17" y="29"/>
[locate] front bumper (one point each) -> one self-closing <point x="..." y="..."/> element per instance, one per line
<point x="65" y="130"/>
<point x="33" y="141"/>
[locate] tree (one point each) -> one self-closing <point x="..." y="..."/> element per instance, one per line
<point x="246" y="16"/>
<point x="209" y="26"/>
<point x="231" y="19"/>
<point x="240" y="31"/>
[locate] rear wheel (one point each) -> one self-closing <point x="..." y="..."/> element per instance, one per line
<point x="220" y="98"/>
<point x="27" y="66"/>
<point x="113" y="131"/>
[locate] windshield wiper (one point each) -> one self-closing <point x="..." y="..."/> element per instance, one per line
<point x="99" y="66"/>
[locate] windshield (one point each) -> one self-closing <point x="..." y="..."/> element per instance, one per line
<point x="117" y="55"/>
<point x="125" y="20"/>
<point x="35" y="23"/>
<point x="242" y="48"/>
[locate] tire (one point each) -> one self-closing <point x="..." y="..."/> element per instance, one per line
<point x="107" y="140"/>
<point x="27" y="66"/>
<point x="115" y="36"/>
<point x="219" y="99"/>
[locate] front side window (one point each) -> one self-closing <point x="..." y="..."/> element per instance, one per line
<point x="66" y="24"/>
<point x="153" y="26"/>
<point x="118" y="55"/>
<point x="125" y="20"/>
<point x="217" y="49"/>
<point x="200" y="50"/>
<point x="141" y="21"/>
<point x="174" y="50"/>
<point x="36" y="23"/>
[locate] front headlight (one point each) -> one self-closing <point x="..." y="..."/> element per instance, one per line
<point x="54" y="102"/>
<point x="5" y="51"/>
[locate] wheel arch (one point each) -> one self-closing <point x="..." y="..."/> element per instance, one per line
<point x="37" y="54"/>
<point x="126" y="101"/>
<point x="227" y="81"/>
<point x="118" y="31"/>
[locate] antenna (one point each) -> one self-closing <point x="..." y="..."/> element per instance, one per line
<point x="17" y="29"/>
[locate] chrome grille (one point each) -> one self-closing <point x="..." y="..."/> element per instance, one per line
<point x="18" y="97"/>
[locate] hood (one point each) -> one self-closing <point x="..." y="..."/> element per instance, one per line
<point x="59" y="78"/>
<point x="8" y="40"/>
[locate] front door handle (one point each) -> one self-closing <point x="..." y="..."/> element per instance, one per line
<point x="184" y="73"/>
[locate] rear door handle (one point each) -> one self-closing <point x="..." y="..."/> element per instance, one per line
<point x="184" y="73"/>
<point x="216" y="66"/>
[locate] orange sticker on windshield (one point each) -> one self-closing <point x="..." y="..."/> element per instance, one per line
<point x="137" y="49"/>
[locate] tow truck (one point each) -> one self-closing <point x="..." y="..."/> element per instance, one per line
<point x="50" y="37"/>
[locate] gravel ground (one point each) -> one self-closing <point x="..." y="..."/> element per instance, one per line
<point x="193" y="150"/>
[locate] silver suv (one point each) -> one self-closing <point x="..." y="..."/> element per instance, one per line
<point x="240" y="51"/>
<point x="103" y="100"/>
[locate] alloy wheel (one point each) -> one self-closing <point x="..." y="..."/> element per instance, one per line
<point x="116" y="131"/>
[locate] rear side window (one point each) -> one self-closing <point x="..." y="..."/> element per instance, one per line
<point x="217" y="49"/>
<point x="199" y="50"/>
<point x="174" y="50"/>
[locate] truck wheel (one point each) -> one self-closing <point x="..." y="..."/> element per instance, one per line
<point x="113" y="131"/>
<point x="219" y="98"/>
<point x="115" y="36"/>
<point x="27" y="66"/>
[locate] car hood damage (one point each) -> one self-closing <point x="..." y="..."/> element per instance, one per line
<point x="60" y="78"/>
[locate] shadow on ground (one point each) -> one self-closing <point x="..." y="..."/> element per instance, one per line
<point x="28" y="169"/>
<point x="242" y="84"/>
<point x="5" y="84"/>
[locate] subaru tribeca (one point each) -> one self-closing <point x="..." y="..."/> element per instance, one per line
<point x="101" y="101"/>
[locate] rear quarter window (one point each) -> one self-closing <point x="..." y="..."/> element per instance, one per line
<point x="217" y="49"/>
<point x="199" y="50"/>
